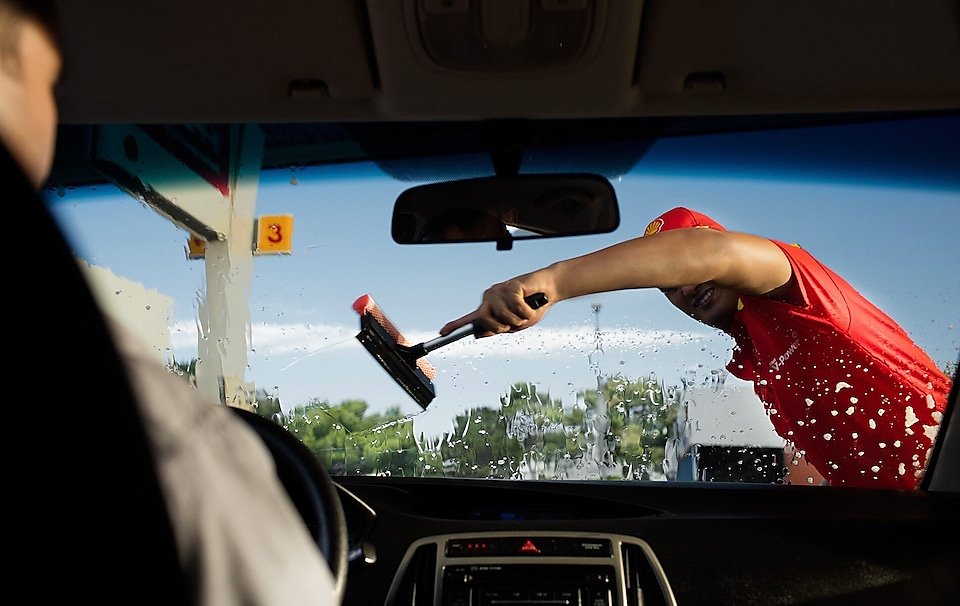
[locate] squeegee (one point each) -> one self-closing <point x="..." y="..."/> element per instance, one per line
<point x="402" y="360"/>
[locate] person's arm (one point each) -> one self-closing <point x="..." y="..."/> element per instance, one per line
<point x="750" y="264"/>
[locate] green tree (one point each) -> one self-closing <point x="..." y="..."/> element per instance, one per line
<point x="950" y="369"/>
<point x="349" y="441"/>
<point x="637" y="422"/>
<point x="618" y="430"/>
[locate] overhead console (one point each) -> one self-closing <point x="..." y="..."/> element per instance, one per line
<point x="525" y="568"/>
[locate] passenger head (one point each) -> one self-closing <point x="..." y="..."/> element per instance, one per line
<point x="708" y="303"/>
<point x="30" y="66"/>
<point x="463" y="225"/>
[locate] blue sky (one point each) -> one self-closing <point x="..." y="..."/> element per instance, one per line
<point x="894" y="241"/>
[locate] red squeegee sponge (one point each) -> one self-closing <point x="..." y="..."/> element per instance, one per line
<point x="365" y="305"/>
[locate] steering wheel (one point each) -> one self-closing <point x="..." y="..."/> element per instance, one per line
<point x="311" y="490"/>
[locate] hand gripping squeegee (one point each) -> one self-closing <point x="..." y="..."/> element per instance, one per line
<point x="402" y="360"/>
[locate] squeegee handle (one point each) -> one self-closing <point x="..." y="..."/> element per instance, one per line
<point x="428" y="346"/>
<point x="536" y="301"/>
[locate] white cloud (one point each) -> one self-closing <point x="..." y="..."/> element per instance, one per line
<point x="296" y="338"/>
<point x="279" y="339"/>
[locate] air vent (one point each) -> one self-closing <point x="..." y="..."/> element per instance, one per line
<point x="642" y="582"/>
<point x="416" y="587"/>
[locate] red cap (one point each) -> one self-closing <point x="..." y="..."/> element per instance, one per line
<point x="681" y="217"/>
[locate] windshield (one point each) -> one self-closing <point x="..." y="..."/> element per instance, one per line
<point x="618" y="386"/>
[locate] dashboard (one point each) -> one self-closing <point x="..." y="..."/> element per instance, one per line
<point x="524" y="568"/>
<point x="470" y="542"/>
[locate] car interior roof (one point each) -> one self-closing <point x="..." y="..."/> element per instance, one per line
<point x="137" y="61"/>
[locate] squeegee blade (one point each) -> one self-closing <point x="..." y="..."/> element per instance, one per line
<point x="405" y="372"/>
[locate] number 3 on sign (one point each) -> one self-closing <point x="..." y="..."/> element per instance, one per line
<point x="274" y="233"/>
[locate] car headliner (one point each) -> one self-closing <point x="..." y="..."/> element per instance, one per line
<point x="137" y="62"/>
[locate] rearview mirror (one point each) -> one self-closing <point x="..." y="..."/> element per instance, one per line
<point x="504" y="209"/>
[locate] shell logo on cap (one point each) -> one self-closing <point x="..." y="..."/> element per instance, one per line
<point x="655" y="226"/>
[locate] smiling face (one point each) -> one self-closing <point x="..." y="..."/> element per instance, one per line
<point x="708" y="303"/>
<point x="28" y="112"/>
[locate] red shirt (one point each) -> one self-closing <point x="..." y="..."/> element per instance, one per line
<point x="840" y="379"/>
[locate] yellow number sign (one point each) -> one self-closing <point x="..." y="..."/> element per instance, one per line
<point x="274" y="234"/>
